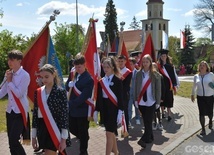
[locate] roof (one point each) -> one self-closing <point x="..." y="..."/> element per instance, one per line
<point x="132" y="39"/>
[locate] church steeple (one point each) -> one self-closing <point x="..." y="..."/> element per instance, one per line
<point x="155" y="23"/>
<point x="155" y="9"/>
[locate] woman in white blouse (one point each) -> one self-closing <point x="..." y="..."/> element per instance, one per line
<point x="203" y="87"/>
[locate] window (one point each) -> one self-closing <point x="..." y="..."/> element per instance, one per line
<point x="164" y="27"/>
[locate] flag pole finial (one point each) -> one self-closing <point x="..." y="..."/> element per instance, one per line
<point x="53" y="16"/>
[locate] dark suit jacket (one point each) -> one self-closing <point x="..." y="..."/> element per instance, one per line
<point x="77" y="105"/>
<point x="126" y="89"/>
<point x="116" y="88"/>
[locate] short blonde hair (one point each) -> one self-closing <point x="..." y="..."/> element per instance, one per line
<point x="207" y="65"/>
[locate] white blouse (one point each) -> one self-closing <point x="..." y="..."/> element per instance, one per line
<point x="201" y="85"/>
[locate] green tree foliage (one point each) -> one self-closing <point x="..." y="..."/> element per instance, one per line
<point x="9" y="42"/>
<point x="1" y="14"/>
<point x="173" y="49"/>
<point x="110" y="21"/>
<point x="204" y="15"/>
<point x="65" y="41"/>
<point x="187" y="54"/>
<point x="135" y="25"/>
<point x="203" y="41"/>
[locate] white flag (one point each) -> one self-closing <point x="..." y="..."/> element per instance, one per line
<point x="164" y="40"/>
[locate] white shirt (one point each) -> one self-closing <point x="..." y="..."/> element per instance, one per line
<point x="107" y="81"/>
<point x="19" y="86"/>
<point x="150" y="100"/>
<point x="201" y="85"/>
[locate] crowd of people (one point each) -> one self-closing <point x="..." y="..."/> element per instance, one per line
<point x="60" y="113"/>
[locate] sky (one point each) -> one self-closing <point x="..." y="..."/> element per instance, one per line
<point x="29" y="16"/>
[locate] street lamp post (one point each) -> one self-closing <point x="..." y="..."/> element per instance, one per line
<point x="122" y="25"/>
<point x="77" y="32"/>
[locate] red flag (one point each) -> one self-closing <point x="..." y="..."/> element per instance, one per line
<point x="115" y="45"/>
<point x="125" y="53"/>
<point x="34" y="58"/>
<point x="148" y="49"/>
<point x="91" y="54"/>
<point x="182" y="40"/>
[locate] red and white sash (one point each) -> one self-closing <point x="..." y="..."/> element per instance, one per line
<point x="164" y="72"/>
<point x="22" y="109"/>
<point x="125" y="72"/>
<point x="48" y="118"/>
<point x="143" y="90"/>
<point x="89" y="101"/>
<point x="109" y="92"/>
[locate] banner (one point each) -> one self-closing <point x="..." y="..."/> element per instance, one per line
<point x="39" y="53"/>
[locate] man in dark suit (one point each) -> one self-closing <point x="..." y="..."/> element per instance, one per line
<point x="81" y="89"/>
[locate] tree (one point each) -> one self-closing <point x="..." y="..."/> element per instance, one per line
<point x="134" y="24"/>
<point x="187" y="54"/>
<point x="1" y="14"/>
<point x="173" y="49"/>
<point x="203" y="41"/>
<point x="110" y="21"/>
<point x="65" y="43"/>
<point x="204" y="15"/>
<point x="9" y="42"/>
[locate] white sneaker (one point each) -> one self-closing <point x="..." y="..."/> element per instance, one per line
<point x="138" y="122"/>
<point x="160" y="126"/>
<point x="154" y="126"/>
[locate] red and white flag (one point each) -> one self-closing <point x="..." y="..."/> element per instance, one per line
<point x="37" y="53"/>
<point x="92" y="55"/>
<point x="182" y="40"/>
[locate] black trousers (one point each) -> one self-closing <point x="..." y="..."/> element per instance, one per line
<point x="147" y="115"/>
<point x="15" y="127"/>
<point x="79" y="127"/>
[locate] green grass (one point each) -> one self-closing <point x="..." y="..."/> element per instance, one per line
<point x="184" y="91"/>
<point x="3" y="105"/>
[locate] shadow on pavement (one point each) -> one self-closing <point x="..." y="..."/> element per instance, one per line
<point x="172" y="126"/>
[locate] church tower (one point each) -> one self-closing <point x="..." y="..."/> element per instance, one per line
<point x="155" y="23"/>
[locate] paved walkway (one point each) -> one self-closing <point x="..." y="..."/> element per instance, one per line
<point x="184" y="124"/>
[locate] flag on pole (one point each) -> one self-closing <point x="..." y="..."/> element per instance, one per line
<point x="125" y="53"/>
<point x="164" y="40"/>
<point x="53" y="60"/>
<point x="108" y="46"/>
<point x="148" y="49"/>
<point x="182" y="40"/>
<point x="91" y="54"/>
<point x="115" y="45"/>
<point x="40" y="52"/>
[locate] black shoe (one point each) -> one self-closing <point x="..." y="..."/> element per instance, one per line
<point x="141" y="143"/>
<point x="163" y="116"/>
<point x="169" y="118"/>
<point x="37" y="150"/>
<point x="210" y="125"/>
<point x="203" y="132"/>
